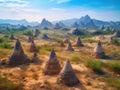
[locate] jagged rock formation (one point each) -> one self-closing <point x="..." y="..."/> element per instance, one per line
<point x="44" y="36"/>
<point x="67" y="76"/>
<point x="18" y="56"/>
<point x="79" y="42"/>
<point x="35" y="58"/>
<point x="85" y="22"/>
<point x="98" y="51"/>
<point x="52" y="66"/>
<point x="45" y="23"/>
<point x="69" y="47"/>
<point x="66" y="40"/>
<point x="62" y="44"/>
<point x="33" y="47"/>
<point x="59" y="25"/>
<point x="12" y="37"/>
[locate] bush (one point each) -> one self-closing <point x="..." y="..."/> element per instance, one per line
<point x="75" y="58"/>
<point x="1" y="40"/>
<point x="114" y="82"/>
<point x="6" y="45"/>
<point x="95" y="65"/>
<point x="5" y="84"/>
<point x="115" y="66"/>
<point x="90" y="41"/>
<point x="115" y="41"/>
<point x="28" y="32"/>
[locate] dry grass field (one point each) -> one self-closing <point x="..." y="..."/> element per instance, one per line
<point x="94" y="74"/>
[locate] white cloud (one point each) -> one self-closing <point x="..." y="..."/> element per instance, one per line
<point x="60" y="1"/>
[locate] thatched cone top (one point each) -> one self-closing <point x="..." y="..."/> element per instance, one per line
<point x="33" y="47"/>
<point x="69" y="47"/>
<point x="52" y="66"/>
<point x="18" y="48"/>
<point x="67" y="76"/>
<point x="11" y="37"/>
<point x="66" y="40"/>
<point x="30" y="39"/>
<point x="98" y="51"/>
<point x="62" y="44"/>
<point x="79" y="42"/>
<point x="35" y="58"/>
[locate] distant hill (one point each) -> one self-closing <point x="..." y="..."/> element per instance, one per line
<point x="83" y="22"/>
<point x="45" y="23"/>
<point x="18" y="22"/>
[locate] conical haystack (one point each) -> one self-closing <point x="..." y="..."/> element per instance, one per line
<point x="36" y="33"/>
<point x="69" y="47"/>
<point x="67" y="76"/>
<point x="98" y="51"/>
<point x="12" y="37"/>
<point x="33" y="47"/>
<point x="66" y="40"/>
<point x="62" y="44"/>
<point x="52" y="66"/>
<point x="18" y="57"/>
<point x="35" y="58"/>
<point x="45" y="36"/>
<point x="79" y="42"/>
<point x="30" y="39"/>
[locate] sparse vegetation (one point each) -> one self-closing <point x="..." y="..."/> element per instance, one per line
<point x="114" y="82"/>
<point x="95" y="65"/>
<point x="5" y="84"/>
<point x="75" y="58"/>
<point x="114" y="66"/>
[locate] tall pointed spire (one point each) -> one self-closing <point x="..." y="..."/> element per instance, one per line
<point x="52" y="66"/>
<point x="35" y="58"/>
<point x="11" y="37"/>
<point x="98" y="51"/>
<point x="79" y="42"/>
<point x="62" y="44"/>
<point x="33" y="47"/>
<point x="45" y="37"/>
<point x="69" y="47"/>
<point x="18" y="57"/>
<point x="67" y="75"/>
<point x="66" y="40"/>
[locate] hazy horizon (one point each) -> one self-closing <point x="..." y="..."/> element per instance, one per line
<point x="54" y="10"/>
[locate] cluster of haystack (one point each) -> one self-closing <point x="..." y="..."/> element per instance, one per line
<point x="97" y="53"/>
<point x="66" y="75"/>
<point x="69" y="46"/>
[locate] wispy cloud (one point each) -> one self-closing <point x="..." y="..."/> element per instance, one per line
<point x="60" y="1"/>
<point x="13" y="3"/>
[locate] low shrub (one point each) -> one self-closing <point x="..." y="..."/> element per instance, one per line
<point x="6" y="45"/>
<point x="114" y="82"/>
<point x="5" y="84"/>
<point x="114" y="66"/>
<point x="95" y="65"/>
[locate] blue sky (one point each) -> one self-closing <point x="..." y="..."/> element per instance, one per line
<point x="35" y="10"/>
